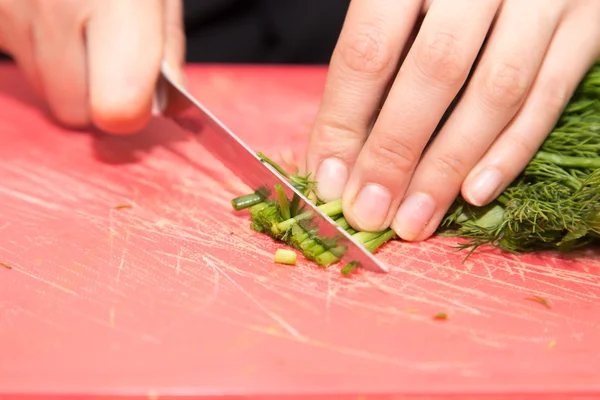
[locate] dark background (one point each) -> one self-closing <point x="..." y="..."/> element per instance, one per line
<point x="262" y="31"/>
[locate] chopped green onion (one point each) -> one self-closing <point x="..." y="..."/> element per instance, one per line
<point x="246" y="201"/>
<point x="283" y="256"/>
<point x="351" y="266"/>
<point x="284" y="204"/>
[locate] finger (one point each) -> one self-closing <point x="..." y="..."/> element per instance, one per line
<point x="174" y="37"/>
<point x="550" y="94"/>
<point x="362" y="65"/>
<point x="60" y="56"/>
<point x="16" y="40"/>
<point x="125" y="48"/>
<point x="498" y="87"/>
<point x="434" y="71"/>
<point x="174" y="53"/>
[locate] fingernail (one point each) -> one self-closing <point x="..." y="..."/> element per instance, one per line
<point x="371" y="207"/>
<point x="331" y="177"/>
<point x="413" y="215"/>
<point x="484" y="187"/>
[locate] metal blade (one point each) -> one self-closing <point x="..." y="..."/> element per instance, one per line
<point x="246" y="164"/>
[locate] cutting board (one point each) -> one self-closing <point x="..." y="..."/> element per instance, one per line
<point x="132" y="276"/>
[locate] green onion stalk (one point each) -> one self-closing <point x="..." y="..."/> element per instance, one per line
<point x="554" y="204"/>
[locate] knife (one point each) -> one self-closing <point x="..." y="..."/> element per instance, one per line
<point x="175" y="102"/>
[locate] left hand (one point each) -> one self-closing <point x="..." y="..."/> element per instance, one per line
<point x="385" y="96"/>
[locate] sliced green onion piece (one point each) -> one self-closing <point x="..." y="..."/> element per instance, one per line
<point x="283" y="256"/>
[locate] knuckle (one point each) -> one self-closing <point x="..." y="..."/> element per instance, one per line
<point x="367" y="49"/>
<point x="396" y="152"/>
<point x="441" y="60"/>
<point x="335" y="131"/>
<point x="505" y="86"/>
<point x="555" y="93"/>
<point x="337" y="138"/>
<point x="518" y="144"/>
<point x="450" y="166"/>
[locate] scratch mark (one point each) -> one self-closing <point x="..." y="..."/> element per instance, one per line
<point x="466" y="307"/>
<point x="54" y="285"/>
<point x="121" y="264"/>
<point x="178" y="264"/>
<point x="179" y="256"/>
<point x="111" y="317"/>
<point x="29" y="199"/>
<point x="328" y="299"/>
<point x="123" y="254"/>
<point x="4" y="226"/>
<point x="423" y="366"/>
<point x="285" y="325"/>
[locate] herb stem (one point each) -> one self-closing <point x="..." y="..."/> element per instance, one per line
<point x="569" y="161"/>
<point x="376" y="243"/>
<point x="284" y="204"/>
<point x="330" y="209"/>
<point x="246" y="201"/>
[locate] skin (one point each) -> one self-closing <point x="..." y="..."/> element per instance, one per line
<point x="95" y="62"/>
<point x="385" y="96"/>
<point x="397" y="66"/>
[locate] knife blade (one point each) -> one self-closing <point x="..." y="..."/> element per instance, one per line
<point x="241" y="160"/>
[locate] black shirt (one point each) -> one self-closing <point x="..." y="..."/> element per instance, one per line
<point x="263" y="31"/>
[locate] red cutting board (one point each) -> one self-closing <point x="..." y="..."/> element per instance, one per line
<point x="177" y="296"/>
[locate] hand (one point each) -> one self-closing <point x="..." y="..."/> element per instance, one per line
<point x="384" y="99"/>
<point x="95" y="61"/>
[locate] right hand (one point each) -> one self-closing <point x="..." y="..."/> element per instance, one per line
<point x="95" y="61"/>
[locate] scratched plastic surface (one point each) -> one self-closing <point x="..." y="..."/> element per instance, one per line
<point x="176" y="295"/>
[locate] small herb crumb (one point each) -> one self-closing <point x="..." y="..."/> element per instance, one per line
<point x="283" y="256"/>
<point x="551" y="344"/>
<point x="349" y="268"/>
<point x="122" y="207"/>
<point x="5" y="265"/>
<point x="441" y="316"/>
<point x="540" y="300"/>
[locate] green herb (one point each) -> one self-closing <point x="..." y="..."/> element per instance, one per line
<point x="440" y="316"/>
<point x="283" y="256"/>
<point x="285" y="221"/>
<point x="122" y="207"/>
<point x="5" y="265"/>
<point x="553" y="205"/>
<point x="243" y="202"/>
<point x="349" y="268"/>
<point x="555" y="202"/>
<point x="540" y="300"/>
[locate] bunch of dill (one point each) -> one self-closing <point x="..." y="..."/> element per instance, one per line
<point x="555" y="202"/>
